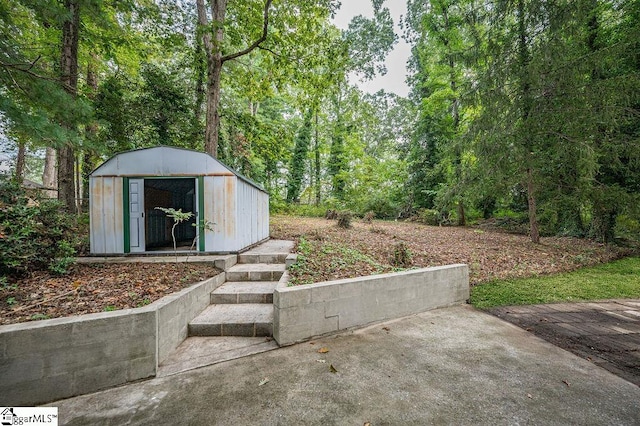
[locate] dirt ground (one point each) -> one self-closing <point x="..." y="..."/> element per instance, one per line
<point x="490" y="254"/>
<point x="366" y="248"/>
<point x="96" y="288"/>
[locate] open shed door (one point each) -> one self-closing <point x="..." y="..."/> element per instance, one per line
<point x="136" y="215"/>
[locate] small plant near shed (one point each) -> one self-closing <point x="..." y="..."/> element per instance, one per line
<point x="401" y="257"/>
<point x="344" y="219"/>
<point x="178" y="217"/>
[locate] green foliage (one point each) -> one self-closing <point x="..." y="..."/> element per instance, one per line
<point x="279" y="206"/>
<point x="380" y="206"/>
<point x="614" y="280"/>
<point x="429" y="217"/>
<point x="34" y="234"/>
<point x="527" y="104"/>
<point x="178" y="217"/>
<point x="298" y="163"/>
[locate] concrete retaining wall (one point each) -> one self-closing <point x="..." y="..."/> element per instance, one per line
<point x="306" y="311"/>
<point x="177" y="310"/>
<point x="43" y="361"/>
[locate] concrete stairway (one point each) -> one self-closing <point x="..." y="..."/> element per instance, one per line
<point x="242" y="306"/>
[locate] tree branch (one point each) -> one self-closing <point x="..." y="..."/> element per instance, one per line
<point x="270" y="51"/>
<point x="26" y="68"/>
<point x="256" y="43"/>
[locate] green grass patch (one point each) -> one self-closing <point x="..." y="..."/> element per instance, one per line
<point x="615" y="280"/>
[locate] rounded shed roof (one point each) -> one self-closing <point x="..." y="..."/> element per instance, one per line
<point x="166" y="161"/>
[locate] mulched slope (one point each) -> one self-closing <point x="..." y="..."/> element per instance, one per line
<point x="96" y="288"/>
<point x="336" y="253"/>
<point x="490" y="254"/>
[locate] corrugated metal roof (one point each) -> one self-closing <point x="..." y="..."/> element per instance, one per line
<point x="167" y="161"/>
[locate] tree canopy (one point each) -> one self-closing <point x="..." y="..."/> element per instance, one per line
<point x="521" y="111"/>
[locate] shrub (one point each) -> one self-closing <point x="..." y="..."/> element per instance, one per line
<point x="34" y="234"/>
<point x="429" y="217"/>
<point x="401" y="256"/>
<point x="331" y="214"/>
<point x="368" y="217"/>
<point x="382" y="208"/>
<point x="344" y="219"/>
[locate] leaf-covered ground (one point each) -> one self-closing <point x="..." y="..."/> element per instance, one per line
<point x="329" y="252"/>
<point x="96" y="288"/>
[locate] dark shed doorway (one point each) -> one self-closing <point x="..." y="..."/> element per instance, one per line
<point x="176" y="193"/>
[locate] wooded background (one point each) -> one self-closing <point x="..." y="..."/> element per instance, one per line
<point x="520" y="110"/>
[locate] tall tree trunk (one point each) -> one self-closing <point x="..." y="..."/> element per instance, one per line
<point x="214" y="69"/>
<point x="86" y="160"/>
<point x="525" y="94"/>
<point x="215" y="60"/>
<point x="534" y="230"/>
<point x="317" y="159"/>
<point x="604" y="210"/>
<point x="69" y="79"/>
<point x="50" y="173"/>
<point x="20" y="160"/>
<point x="455" y="115"/>
<point x="200" y="93"/>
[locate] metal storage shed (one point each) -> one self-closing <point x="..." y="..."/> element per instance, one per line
<point x="124" y="191"/>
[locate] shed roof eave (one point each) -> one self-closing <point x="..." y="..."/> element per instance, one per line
<point x="166" y="161"/>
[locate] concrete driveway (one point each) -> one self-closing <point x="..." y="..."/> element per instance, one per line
<point x="448" y="366"/>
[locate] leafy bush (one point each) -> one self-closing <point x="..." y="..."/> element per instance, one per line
<point x="34" y="234"/>
<point x="429" y="217"/>
<point x="279" y="206"/>
<point x="382" y="208"/>
<point x="344" y="219"/>
<point x="401" y="256"/>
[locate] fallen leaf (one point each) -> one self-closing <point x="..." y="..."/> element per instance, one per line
<point x="263" y="381"/>
<point x="332" y="368"/>
<point x="323" y="350"/>
<point x="566" y="383"/>
<point x="366" y="424"/>
<point x="385" y="329"/>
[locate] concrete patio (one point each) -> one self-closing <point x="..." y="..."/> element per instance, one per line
<point x="447" y="366"/>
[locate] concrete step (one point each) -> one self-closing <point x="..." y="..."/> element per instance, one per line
<point x="272" y="251"/>
<point x="245" y="319"/>
<point x="196" y="352"/>
<point x="248" y="258"/>
<point x="244" y="292"/>
<point x="255" y="272"/>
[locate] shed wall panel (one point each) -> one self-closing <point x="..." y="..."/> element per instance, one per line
<point x="220" y="209"/>
<point x="253" y="215"/>
<point x="106" y="215"/>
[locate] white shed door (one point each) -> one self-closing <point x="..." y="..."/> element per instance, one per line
<point x="136" y="214"/>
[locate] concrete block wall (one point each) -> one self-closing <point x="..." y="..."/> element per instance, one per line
<point x="306" y="311"/>
<point x="43" y="361"/>
<point x="177" y="310"/>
